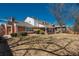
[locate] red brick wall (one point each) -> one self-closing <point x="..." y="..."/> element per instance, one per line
<point x="20" y="28"/>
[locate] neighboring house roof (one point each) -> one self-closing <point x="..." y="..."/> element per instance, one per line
<point x="49" y="26"/>
<point x="24" y="24"/>
<point x="41" y="23"/>
<point x="18" y="23"/>
<point x="44" y="23"/>
<point x="59" y="26"/>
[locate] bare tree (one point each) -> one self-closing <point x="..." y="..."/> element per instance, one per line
<point x="66" y="12"/>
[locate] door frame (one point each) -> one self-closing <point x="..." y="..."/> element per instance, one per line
<point x="10" y="29"/>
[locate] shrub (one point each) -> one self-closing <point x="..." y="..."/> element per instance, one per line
<point x="39" y="31"/>
<point x="14" y="34"/>
<point x="19" y="34"/>
<point x="23" y="33"/>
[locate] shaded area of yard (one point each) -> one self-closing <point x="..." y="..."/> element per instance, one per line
<point x="4" y="48"/>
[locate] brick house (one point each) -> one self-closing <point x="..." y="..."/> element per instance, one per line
<point x="29" y="26"/>
<point x="39" y="24"/>
<point x="59" y="29"/>
<point x="14" y="27"/>
<point x="45" y="26"/>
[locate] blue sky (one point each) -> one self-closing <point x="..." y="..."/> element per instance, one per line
<point x="21" y="11"/>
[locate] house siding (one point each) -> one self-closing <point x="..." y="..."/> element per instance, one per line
<point x="30" y="25"/>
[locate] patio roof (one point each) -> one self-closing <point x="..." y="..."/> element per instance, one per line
<point x="23" y="24"/>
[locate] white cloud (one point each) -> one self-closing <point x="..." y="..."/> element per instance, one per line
<point x="3" y="20"/>
<point x="2" y="23"/>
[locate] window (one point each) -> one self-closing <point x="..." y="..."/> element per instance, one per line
<point x="49" y="30"/>
<point x="20" y="28"/>
<point x="28" y="29"/>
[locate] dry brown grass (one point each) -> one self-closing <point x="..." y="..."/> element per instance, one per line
<point x="45" y="45"/>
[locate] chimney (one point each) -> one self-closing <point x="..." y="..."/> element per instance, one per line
<point x="12" y="19"/>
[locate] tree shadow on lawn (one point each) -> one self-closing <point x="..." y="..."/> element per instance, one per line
<point x="4" y="48"/>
